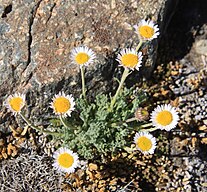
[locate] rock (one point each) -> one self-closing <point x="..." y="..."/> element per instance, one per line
<point x="201" y="47"/>
<point x="36" y="37"/>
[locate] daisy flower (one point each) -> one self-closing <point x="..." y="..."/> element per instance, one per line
<point x="147" y="30"/>
<point x="82" y="56"/>
<point x="164" y="117"/>
<point x="15" y="103"/>
<point x="145" y="142"/>
<point x="129" y="58"/>
<point x="63" y="104"/>
<point x="65" y="160"/>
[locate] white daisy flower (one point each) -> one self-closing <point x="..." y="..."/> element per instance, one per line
<point x="130" y="58"/>
<point x="65" y="160"/>
<point x="147" y="30"/>
<point x="145" y="142"/>
<point x="164" y="117"/>
<point x="15" y="103"/>
<point x="63" y="104"/>
<point x="82" y="56"/>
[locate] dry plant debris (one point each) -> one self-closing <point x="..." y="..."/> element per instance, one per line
<point x="29" y="172"/>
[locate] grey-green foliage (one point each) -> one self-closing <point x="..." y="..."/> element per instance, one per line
<point x="101" y="130"/>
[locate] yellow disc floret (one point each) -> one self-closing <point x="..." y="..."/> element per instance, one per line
<point x="164" y="118"/>
<point x="82" y="58"/>
<point x="146" y="31"/>
<point x="144" y="143"/>
<point x="129" y="60"/>
<point x="16" y="103"/>
<point x="61" y="105"/>
<point x="65" y="160"/>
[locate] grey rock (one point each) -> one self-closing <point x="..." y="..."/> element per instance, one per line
<point x="201" y="47"/>
<point x="36" y="38"/>
<point x="4" y="28"/>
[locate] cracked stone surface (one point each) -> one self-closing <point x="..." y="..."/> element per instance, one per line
<point x="36" y="37"/>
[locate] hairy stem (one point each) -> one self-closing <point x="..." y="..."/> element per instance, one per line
<point x="30" y="124"/>
<point x="151" y="129"/>
<point x="83" y="82"/>
<point x="123" y="78"/>
<point x="139" y="45"/>
<point x="63" y="121"/>
<point x="131" y="120"/>
<point x="146" y="125"/>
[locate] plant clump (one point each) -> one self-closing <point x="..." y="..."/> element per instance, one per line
<point x="95" y="128"/>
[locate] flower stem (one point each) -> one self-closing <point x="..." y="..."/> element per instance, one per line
<point x="83" y="82"/>
<point x="30" y="124"/>
<point x="139" y="45"/>
<point x="151" y="129"/>
<point x="131" y="120"/>
<point x="65" y="126"/>
<point x="146" y="125"/>
<point x="123" y="78"/>
<point x="63" y="121"/>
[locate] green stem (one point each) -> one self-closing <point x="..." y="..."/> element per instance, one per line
<point x="65" y="126"/>
<point x="83" y="82"/>
<point x="143" y="127"/>
<point x="139" y="45"/>
<point x="146" y="125"/>
<point x="123" y="78"/>
<point x="151" y="129"/>
<point x="131" y="120"/>
<point x="30" y="124"/>
<point x="63" y="121"/>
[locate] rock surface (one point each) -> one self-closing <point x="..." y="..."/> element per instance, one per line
<point x="36" y="37"/>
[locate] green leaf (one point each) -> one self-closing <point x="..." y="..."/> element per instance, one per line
<point x="99" y="130"/>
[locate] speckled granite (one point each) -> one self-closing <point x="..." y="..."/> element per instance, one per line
<point x="36" y="37"/>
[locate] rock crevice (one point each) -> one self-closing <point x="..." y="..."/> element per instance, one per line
<point x="31" y="21"/>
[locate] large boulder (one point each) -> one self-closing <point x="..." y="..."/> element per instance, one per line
<point x="36" y="37"/>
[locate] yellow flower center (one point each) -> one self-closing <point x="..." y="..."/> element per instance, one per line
<point x="61" y="105"/>
<point x="146" y="31"/>
<point x="82" y="58"/>
<point x="144" y="143"/>
<point x="144" y="112"/>
<point x="129" y="60"/>
<point x="16" y="103"/>
<point x="164" y="118"/>
<point x="65" y="160"/>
